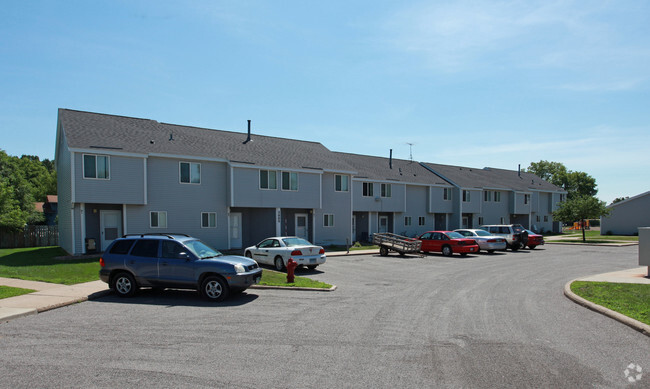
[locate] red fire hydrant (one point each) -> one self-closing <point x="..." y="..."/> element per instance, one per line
<point x="291" y="266"/>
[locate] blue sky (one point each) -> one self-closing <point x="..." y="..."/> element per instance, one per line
<point x="470" y="83"/>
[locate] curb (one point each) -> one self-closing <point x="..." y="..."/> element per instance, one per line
<point x="17" y="313"/>
<point x="628" y="321"/>
<point x="593" y="244"/>
<point x="333" y="288"/>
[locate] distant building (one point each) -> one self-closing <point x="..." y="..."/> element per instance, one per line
<point x="49" y="208"/>
<point x="627" y="216"/>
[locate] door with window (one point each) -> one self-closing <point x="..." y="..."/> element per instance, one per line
<point x="383" y="224"/>
<point x="301" y="226"/>
<point x="110" y="226"/>
<point x="235" y="230"/>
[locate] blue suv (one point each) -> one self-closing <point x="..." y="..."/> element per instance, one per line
<point x="174" y="261"/>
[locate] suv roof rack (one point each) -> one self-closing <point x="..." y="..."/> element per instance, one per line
<point x="169" y="235"/>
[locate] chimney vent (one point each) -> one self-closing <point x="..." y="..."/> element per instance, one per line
<point x="248" y="139"/>
<point x="519" y="170"/>
<point x="390" y="160"/>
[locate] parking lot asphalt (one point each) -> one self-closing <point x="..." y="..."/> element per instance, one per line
<point x="477" y="321"/>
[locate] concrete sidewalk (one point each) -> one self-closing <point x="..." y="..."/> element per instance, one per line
<point x="49" y="296"/>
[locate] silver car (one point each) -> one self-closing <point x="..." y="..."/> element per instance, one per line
<point x="277" y="250"/>
<point x="484" y="239"/>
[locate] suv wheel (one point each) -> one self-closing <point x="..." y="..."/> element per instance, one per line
<point x="124" y="285"/>
<point x="514" y="246"/>
<point x="214" y="288"/>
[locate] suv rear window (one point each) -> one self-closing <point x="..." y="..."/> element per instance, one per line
<point x="145" y="248"/>
<point x="122" y="246"/>
<point x="518" y="229"/>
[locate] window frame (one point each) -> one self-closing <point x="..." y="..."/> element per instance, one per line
<point x="291" y="181"/>
<point x="339" y="180"/>
<point x="487" y="196"/>
<point x="158" y="213"/>
<point x="408" y="221"/>
<point x="386" y="190"/>
<point x="422" y="220"/>
<point x="328" y="220"/>
<point x="480" y="220"/>
<point x="497" y="196"/>
<point x="367" y="189"/>
<point x="268" y="174"/>
<point x="208" y="214"/>
<point x="180" y="172"/>
<point x="446" y="194"/>
<point x="96" y="176"/>
<point x="466" y="196"/>
<point x="526" y="198"/>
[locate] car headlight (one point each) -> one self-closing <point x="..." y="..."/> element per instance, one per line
<point x="239" y="268"/>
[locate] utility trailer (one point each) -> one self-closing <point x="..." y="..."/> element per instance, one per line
<point x="392" y="242"/>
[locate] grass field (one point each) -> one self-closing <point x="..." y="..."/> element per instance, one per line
<point x="592" y="236"/>
<point x="631" y="300"/>
<point x="39" y="264"/>
<point x="8" y="291"/>
<point x="274" y="278"/>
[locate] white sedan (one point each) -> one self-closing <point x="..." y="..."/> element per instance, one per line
<point x="276" y="251"/>
<point x="484" y="239"/>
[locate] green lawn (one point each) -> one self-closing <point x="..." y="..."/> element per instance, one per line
<point x="274" y="278"/>
<point x="595" y="235"/>
<point x="8" y="291"/>
<point x="38" y="264"/>
<point x="629" y="299"/>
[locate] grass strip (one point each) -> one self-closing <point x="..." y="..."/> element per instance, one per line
<point x="39" y="264"/>
<point x="629" y="299"/>
<point x="8" y="291"/>
<point x="274" y="278"/>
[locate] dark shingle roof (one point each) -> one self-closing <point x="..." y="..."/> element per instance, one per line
<point x="125" y="134"/>
<point x="378" y="168"/>
<point x="467" y="177"/>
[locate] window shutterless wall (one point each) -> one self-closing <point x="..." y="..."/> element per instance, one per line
<point x="124" y="185"/>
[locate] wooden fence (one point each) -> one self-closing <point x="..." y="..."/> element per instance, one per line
<point x="31" y="236"/>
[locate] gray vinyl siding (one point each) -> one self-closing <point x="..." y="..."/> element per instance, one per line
<point x="184" y="203"/>
<point x="247" y="192"/>
<point x="626" y="217"/>
<point x="376" y="203"/>
<point x="474" y="205"/>
<point x="437" y="203"/>
<point x="64" y="190"/>
<point x="492" y="211"/>
<point x="125" y="185"/>
<point x="338" y="204"/>
<point x="517" y="203"/>
<point x="416" y="207"/>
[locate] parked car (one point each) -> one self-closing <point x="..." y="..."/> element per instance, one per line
<point x="515" y="235"/>
<point x="174" y="261"/>
<point x="276" y="251"/>
<point x="447" y="242"/>
<point x="534" y="239"/>
<point x="484" y="239"/>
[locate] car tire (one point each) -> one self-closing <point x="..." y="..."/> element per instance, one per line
<point x="124" y="284"/>
<point x="532" y="247"/>
<point x="514" y="247"/>
<point x="490" y="251"/>
<point x="214" y="288"/>
<point x="249" y="255"/>
<point x="463" y="254"/>
<point x="447" y="251"/>
<point x="279" y="263"/>
<point x="312" y="267"/>
<point x="383" y="251"/>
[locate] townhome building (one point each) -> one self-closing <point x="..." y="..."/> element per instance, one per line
<point x="120" y="175"/>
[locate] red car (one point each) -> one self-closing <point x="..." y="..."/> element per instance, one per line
<point x="447" y="242"/>
<point x="534" y="239"/>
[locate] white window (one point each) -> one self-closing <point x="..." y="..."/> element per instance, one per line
<point x="268" y="179"/>
<point x="328" y="220"/>
<point x="526" y="198"/>
<point x="480" y="220"/>
<point x="466" y="197"/>
<point x="422" y="220"/>
<point x="289" y="181"/>
<point x="446" y="193"/>
<point x="341" y="183"/>
<point x="497" y="196"/>
<point x="96" y="166"/>
<point x="538" y="218"/>
<point x="502" y="220"/>
<point x="386" y="190"/>
<point x="407" y="220"/>
<point x="545" y="218"/>
<point x="368" y="189"/>
<point x="208" y="219"/>
<point x="190" y="172"/>
<point x="158" y="219"/>
<point x="487" y="195"/>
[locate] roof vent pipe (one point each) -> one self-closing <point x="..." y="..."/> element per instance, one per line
<point x="390" y="160"/>
<point x="519" y="170"/>
<point x="248" y="139"/>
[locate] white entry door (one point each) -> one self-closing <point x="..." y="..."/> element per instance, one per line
<point x="383" y="224"/>
<point x="235" y="230"/>
<point x="301" y="226"/>
<point x="110" y="226"/>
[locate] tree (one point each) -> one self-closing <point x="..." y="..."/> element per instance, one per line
<point x="619" y="199"/>
<point x="575" y="183"/>
<point x="581" y="207"/>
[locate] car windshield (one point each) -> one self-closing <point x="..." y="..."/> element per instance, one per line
<point x="482" y="233"/>
<point x="454" y="235"/>
<point x="293" y="242"/>
<point x="201" y="249"/>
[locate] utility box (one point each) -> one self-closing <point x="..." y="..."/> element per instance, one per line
<point x="644" y="247"/>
